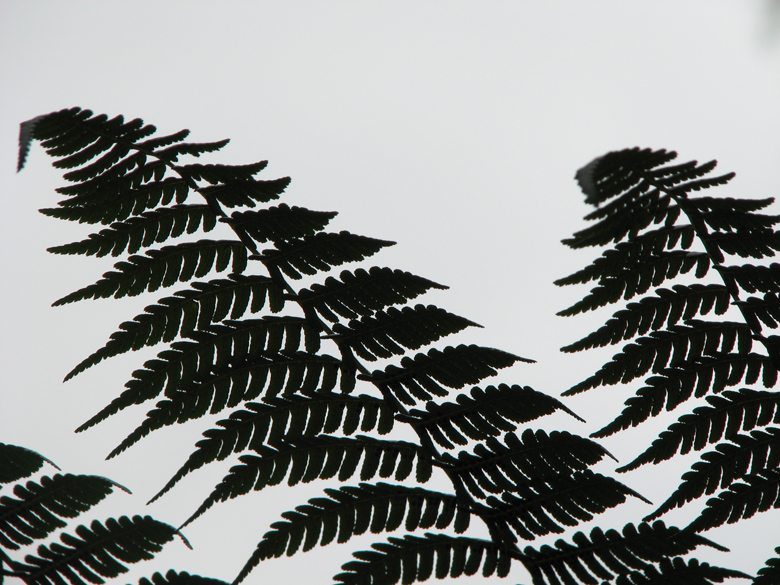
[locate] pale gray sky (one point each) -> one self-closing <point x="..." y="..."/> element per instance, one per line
<point x="453" y="128"/>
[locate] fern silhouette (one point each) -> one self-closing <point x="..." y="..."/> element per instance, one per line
<point x="293" y="413"/>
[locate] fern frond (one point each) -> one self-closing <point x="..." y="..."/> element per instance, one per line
<point x="666" y="308"/>
<point x="222" y="174"/>
<point x="182" y="578"/>
<point x="96" y="552"/>
<point x="38" y="508"/>
<point x="198" y="307"/>
<point x="745" y="455"/>
<point x="18" y="462"/>
<point x="244" y="193"/>
<point x="726" y="214"/>
<point x="497" y="467"/>
<point x="766" y="310"/>
<point x="543" y="507"/>
<point x="281" y="223"/>
<point x="352" y="511"/>
<point x="387" y="333"/>
<point x="770" y="573"/>
<point x="163" y="268"/>
<point x="414" y="558"/>
<point x="679" y="571"/>
<point x="172" y="153"/>
<point x="361" y="293"/>
<point x="320" y="252"/>
<point x="280" y="418"/>
<point x="141" y="232"/>
<point x="745" y="244"/>
<point x="486" y="413"/>
<point x="425" y="375"/>
<point x="732" y="411"/>
<point x="604" y="555"/>
<point x="320" y="457"/>
<point x="680" y="343"/>
<point x="676" y="385"/>
<point x="752" y="279"/>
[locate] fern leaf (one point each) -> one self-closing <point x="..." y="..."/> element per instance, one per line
<point x="388" y="332"/>
<point x="280" y="418"/>
<point x="414" y="558"/>
<point x="320" y="252"/>
<point x="726" y="214"/>
<point x="26" y="131"/>
<point x="770" y="573"/>
<point x="766" y="310"/>
<point x="200" y="306"/>
<point x="682" y="572"/>
<point x="454" y="367"/>
<point x="245" y="193"/>
<point x="680" y="343"/>
<point x="543" y="507"/>
<point x="38" y="508"/>
<point x="96" y="552"/>
<point x="729" y="413"/>
<point x="666" y="308"/>
<point x="281" y="223"/>
<point x="749" y="454"/>
<point x="496" y="467"/>
<point x="604" y="555"/>
<point x="172" y="153"/>
<point x="746" y="244"/>
<point x="486" y="413"/>
<point x="361" y="293"/>
<point x="220" y="174"/>
<point x="182" y="578"/>
<point x="137" y="232"/>
<point x="352" y="511"/>
<point x="751" y="279"/>
<point x="320" y="457"/>
<point x="163" y="268"/>
<point x="18" y="462"/>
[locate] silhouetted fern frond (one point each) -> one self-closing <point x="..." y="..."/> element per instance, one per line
<point x="280" y="223"/>
<point x="181" y="578"/>
<point x="769" y="574"/>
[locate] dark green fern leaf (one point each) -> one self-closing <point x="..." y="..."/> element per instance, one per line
<point x="666" y="308"/>
<point x="746" y="244"/>
<point x="18" y="462"/>
<point x="678" y="571"/>
<point x="199" y="307"/>
<point x="361" y="293"/>
<point x="425" y="375"/>
<point x="320" y="252"/>
<point x="182" y="578"/>
<point x="745" y="455"/>
<point x="516" y="463"/>
<point x="486" y="413"/>
<point x="544" y="507"/>
<point x="413" y="558"/>
<point x="136" y="232"/>
<point x="281" y="223"/>
<point x="391" y="332"/>
<point x="352" y="511"/>
<point x="320" y="457"/>
<point x="96" y="552"/>
<point x="770" y="573"/>
<point x="728" y="414"/>
<point x="220" y="174"/>
<point x="38" y="508"/>
<point x="163" y="268"/>
<point x="604" y="555"/>
<point x="245" y="193"/>
<point x="752" y="279"/>
<point x="766" y="310"/>
<point x="280" y="418"/>
<point x="726" y="214"/>
<point x="172" y="153"/>
<point x="680" y="343"/>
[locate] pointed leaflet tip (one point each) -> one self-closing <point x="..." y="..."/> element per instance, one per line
<point x="26" y="130"/>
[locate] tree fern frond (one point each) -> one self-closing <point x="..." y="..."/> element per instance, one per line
<point x="745" y="455"/>
<point x="172" y="153"/>
<point x="136" y="232"/>
<point x="164" y="267"/>
<point x="414" y="558"/>
<point x="726" y="214"/>
<point x="751" y="279"/>
<point x="280" y="418"/>
<point x="38" y="508"/>
<point x="743" y="243"/>
<point x="666" y="308"/>
<point x="361" y="293"/>
<point x="198" y="307"/>
<point x="604" y="555"/>
<point x="728" y="413"/>
<point x="497" y="467"/>
<point x="96" y="552"/>
<point x="216" y="174"/>
<point x="454" y="367"/>
<point x="676" y="385"/>
<point x="181" y="578"/>
<point x="320" y="252"/>
<point x="280" y="223"/>
<point x="637" y="279"/>
<point x="678" y="571"/>
<point x="18" y="462"/>
<point x="486" y="413"/>
<point x="543" y="507"/>
<point x="245" y="193"/>
<point x="770" y="573"/>
<point x="680" y="343"/>
<point x="766" y="310"/>
<point x="387" y="333"/>
<point x="320" y="457"/>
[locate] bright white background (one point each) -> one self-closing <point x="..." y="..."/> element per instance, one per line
<point x="453" y="128"/>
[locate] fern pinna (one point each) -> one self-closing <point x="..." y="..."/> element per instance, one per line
<point x="287" y="378"/>
<point x="689" y="340"/>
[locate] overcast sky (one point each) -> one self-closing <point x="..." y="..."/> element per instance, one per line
<point x="453" y="128"/>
